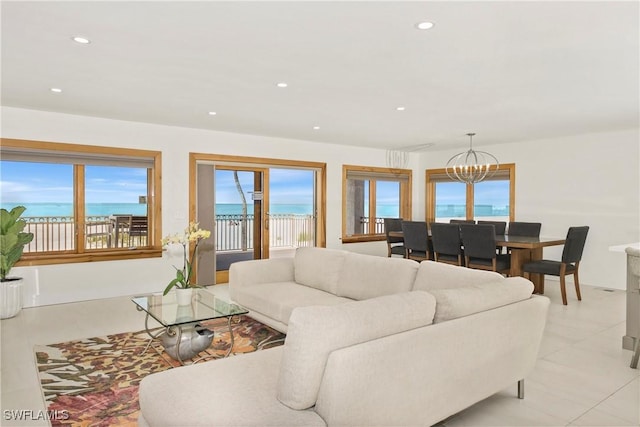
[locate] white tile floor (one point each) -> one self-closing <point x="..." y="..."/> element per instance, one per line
<point x="582" y="377"/>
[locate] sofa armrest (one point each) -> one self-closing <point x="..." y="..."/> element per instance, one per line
<point x="315" y="331"/>
<point x="260" y="271"/>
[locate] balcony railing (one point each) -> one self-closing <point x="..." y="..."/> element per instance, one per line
<point x="379" y="225"/>
<point x="50" y="233"/>
<point x="57" y="233"/>
<point x="285" y="230"/>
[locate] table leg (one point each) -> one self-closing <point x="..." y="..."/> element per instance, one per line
<point x="210" y="356"/>
<point x="537" y="279"/>
<point x="148" y="331"/>
<point x="230" y="335"/>
<point x="519" y="257"/>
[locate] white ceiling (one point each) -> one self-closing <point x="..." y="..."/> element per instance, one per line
<point x="509" y="71"/>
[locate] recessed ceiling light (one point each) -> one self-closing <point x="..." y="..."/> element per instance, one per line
<point x="55" y="89"/>
<point x="400" y="108"/>
<point x="212" y="113"/>
<point x="81" y="40"/>
<point x="316" y="127"/>
<point x="282" y="84"/>
<point x="424" y="25"/>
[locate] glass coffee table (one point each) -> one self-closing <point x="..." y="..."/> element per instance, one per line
<point x="182" y="336"/>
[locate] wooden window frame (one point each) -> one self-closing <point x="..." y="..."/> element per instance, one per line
<point x="432" y="176"/>
<point x="80" y="253"/>
<point x="262" y="162"/>
<point x="403" y="176"/>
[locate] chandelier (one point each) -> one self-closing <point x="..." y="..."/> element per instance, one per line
<point x="471" y="166"/>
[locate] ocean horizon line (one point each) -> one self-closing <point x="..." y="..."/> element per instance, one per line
<point x="40" y="209"/>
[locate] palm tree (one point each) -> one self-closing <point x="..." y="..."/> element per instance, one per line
<point x="243" y="225"/>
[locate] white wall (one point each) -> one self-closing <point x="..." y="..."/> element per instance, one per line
<point x="73" y="282"/>
<point x="589" y="180"/>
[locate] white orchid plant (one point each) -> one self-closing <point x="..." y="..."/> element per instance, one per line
<point x="191" y="234"/>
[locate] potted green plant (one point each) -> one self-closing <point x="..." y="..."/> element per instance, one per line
<point x="183" y="280"/>
<point x="12" y="242"/>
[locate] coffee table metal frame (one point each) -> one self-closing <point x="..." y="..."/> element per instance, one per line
<point x="205" y="305"/>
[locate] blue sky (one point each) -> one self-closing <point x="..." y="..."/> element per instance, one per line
<point x="286" y="186"/>
<point x="23" y="182"/>
<point x="494" y="193"/>
<point x="40" y="182"/>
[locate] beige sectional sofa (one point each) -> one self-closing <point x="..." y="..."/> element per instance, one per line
<point x="370" y="341"/>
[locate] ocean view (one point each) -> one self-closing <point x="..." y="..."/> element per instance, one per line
<point x="105" y="209"/>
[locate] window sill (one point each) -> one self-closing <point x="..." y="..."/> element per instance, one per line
<point x="93" y="256"/>
<point x="363" y="238"/>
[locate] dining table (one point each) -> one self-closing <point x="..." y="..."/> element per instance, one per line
<point x="522" y="249"/>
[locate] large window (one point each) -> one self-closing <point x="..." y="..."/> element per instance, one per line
<point x="84" y="203"/>
<point x="491" y="199"/>
<point x="369" y="195"/>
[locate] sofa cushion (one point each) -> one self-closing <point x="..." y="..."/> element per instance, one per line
<point x="277" y="300"/>
<point x="438" y="275"/>
<point x="314" y="332"/>
<point x="318" y="267"/>
<point x="463" y="301"/>
<point x="237" y="391"/>
<point x="259" y="271"/>
<point x="368" y="276"/>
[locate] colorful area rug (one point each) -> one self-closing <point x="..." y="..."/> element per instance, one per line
<point x="94" y="381"/>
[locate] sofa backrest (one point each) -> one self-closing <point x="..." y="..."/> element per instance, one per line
<point x="353" y="275"/>
<point x="315" y="331"/>
<point x="318" y="268"/>
<point x="368" y="276"/>
<point x="437" y="275"/>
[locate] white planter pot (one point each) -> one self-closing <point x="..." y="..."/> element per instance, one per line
<point x="183" y="296"/>
<point x="10" y="298"/>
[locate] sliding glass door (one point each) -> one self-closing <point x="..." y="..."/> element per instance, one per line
<point x="255" y="211"/>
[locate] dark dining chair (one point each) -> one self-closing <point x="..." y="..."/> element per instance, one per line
<point x="527" y="229"/>
<point x="462" y="221"/>
<point x="447" y="246"/>
<point x="395" y="244"/>
<point x="500" y="226"/>
<point x="479" y="243"/>
<point x="501" y="229"/>
<point x="416" y="240"/>
<point x="571" y="256"/>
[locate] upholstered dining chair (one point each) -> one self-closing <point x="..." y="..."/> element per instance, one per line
<point x="571" y="256"/>
<point x="479" y="243"/>
<point x="500" y="226"/>
<point x="395" y="244"/>
<point x="501" y="229"/>
<point x="528" y="229"/>
<point x="416" y="240"/>
<point x="462" y="221"/>
<point x="447" y="246"/>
